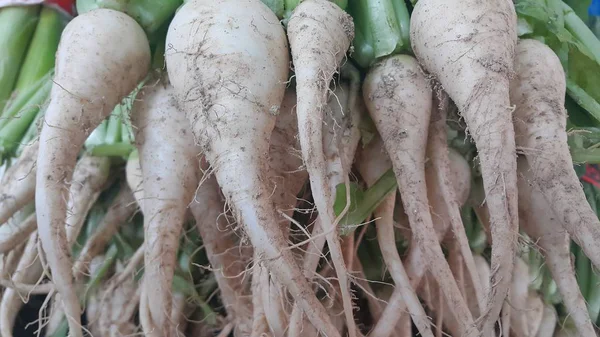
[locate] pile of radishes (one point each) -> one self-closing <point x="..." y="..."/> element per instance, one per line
<point x="252" y="147"/>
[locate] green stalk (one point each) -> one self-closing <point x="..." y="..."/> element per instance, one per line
<point x="30" y="134"/>
<point x="62" y="330"/>
<point x="158" y="60"/>
<point x="184" y="286"/>
<point x="368" y="202"/>
<point x="23" y="99"/>
<point x="583" y="99"/>
<point x="12" y="132"/>
<point x="593" y="298"/>
<point x="382" y="28"/>
<point x="150" y="14"/>
<point x="42" y="50"/>
<point x="17" y="24"/>
<point x="277" y="6"/>
<point x="94" y="282"/>
<point x="590" y="156"/>
<point x="113" y="128"/>
<point x="581" y="31"/>
<point x="403" y="18"/>
<point x="97" y="136"/>
<point x="88" y="5"/>
<point x="127" y="136"/>
<point x="112" y="150"/>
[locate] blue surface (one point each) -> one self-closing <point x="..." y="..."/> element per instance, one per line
<point x="594" y="9"/>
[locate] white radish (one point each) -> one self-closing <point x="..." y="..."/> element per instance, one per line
<point x="399" y="100"/>
<point x="94" y="301"/>
<point x="548" y="182"/>
<point x="169" y="167"/>
<point x="121" y="209"/>
<point x="469" y="46"/>
<point x="320" y="33"/>
<point x="540" y="222"/>
<point x="92" y="75"/>
<point x="288" y="178"/>
<point x="12" y="235"/>
<point x="548" y="324"/>
<point x="29" y="270"/>
<point x="372" y="163"/>
<point x="228" y="62"/>
<point x="135" y="181"/>
<point x="526" y="307"/>
<point x="10" y="261"/>
<point x="222" y="250"/>
<point x="444" y="202"/>
<point x="18" y="183"/>
<point x="118" y="308"/>
<point x="89" y="179"/>
<point x="340" y="139"/>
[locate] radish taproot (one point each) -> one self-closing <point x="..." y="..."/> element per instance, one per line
<point x="549" y="320"/>
<point x="93" y="74"/>
<point x="29" y="270"/>
<point x="18" y="183"/>
<point x="471" y="53"/>
<point x="169" y="167"/>
<point x="228" y="62"/>
<point x="399" y="100"/>
<point x="340" y="138"/>
<point x="320" y="33"/>
<point x="288" y="177"/>
<point x="208" y="208"/>
<point x="89" y="179"/>
<point x="12" y="235"/>
<point x="444" y="202"/>
<point x="540" y="222"/>
<point x="538" y="92"/>
<point x="372" y="163"/>
<point x="121" y="209"/>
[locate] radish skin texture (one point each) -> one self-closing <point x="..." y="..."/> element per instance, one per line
<point x="526" y="307"/>
<point x="208" y="208"/>
<point x="10" y="261"/>
<point x="92" y="75"/>
<point x="228" y="62"/>
<point x="320" y="33"/>
<point x="18" y="183"/>
<point x="399" y="100"/>
<point x="549" y="320"/>
<point x="340" y="138"/>
<point x="119" y="212"/>
<point x="135" y="181"/>
<point x="372" y="164"/>
<point x="538" y="93"/>
<point x="89" y="179"/>
<point x="414" y="264"/>
<point x="471" y="53"/>
<point x="13" y="235"/>
<point x="543" y="226"/>
<point x="285" y="159"/>
<point x="169" y="169"/>
<point x="118" y="308"/>
<point x="445" y="204"/>
<point x="288" y="178"/>
<point x="29" y="271"/>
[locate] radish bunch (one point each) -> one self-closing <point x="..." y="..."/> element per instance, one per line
<point x="286" y="169"/>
